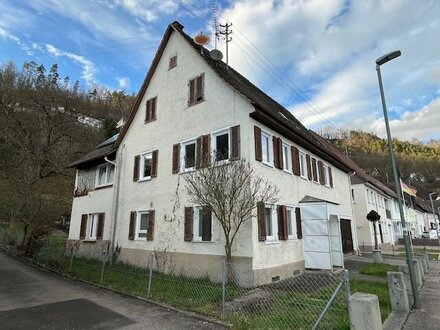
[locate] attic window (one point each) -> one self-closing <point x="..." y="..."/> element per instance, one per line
<point x="196" y="90"/>
<point x="173" y="62"/>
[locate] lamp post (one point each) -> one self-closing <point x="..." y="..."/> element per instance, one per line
<point x="380" y="61"/>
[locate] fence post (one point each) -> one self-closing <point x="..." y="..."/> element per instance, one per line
<point x="150" y="277"/>
<point x="71" y="259"/>
<point x="104" y="255"/>
<point x="224" y="274"/>
<point x="346" y="284"/>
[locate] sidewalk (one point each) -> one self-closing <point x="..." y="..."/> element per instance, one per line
<point x="428" y="316"/>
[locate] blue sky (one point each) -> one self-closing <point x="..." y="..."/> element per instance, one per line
<point x="315" y="57"/>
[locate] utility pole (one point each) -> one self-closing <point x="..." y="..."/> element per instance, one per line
<point x="226" y="33"/>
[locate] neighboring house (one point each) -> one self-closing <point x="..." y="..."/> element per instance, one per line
<point x="189" y="106"/>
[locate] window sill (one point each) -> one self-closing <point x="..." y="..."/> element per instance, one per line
<point x="195" y="103"/>
<point x="104" y="186"/>
<point x="271" y="241"/>
<point x="202" y="242"/>
<point x="149" y="121"/>
<point x="304" y="177"/>
<point x="287" y="171"/>
<point x="145" y="179"/>
<point x="267" y="164"/>
<point x="89" y="240"/>
<point x="187" y="170"/>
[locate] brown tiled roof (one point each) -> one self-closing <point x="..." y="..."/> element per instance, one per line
<point x="102" y="150"/>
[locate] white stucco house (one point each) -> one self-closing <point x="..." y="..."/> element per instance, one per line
<point x="130" y="190"/>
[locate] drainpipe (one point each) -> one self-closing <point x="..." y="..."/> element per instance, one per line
<point x="116" y="182"/>
<point x="352" y="213"/>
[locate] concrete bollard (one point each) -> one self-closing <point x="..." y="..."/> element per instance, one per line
<point x="424" y="263"/>
<point x="421" y="269"/>
<point x="404" y="270"/>
<point x="397" y="292"/>
<point x="418" y="276"/>
<point x="364" y="312"/>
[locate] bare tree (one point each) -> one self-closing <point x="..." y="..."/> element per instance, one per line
<point x="231" y="191"/>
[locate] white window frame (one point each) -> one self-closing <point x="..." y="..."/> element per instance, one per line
<point x="326" y="175"/>
<point x="143" y="156"/>
<point x="292" y="221"/>
<point x="315" y="180"/>
<point x="273" y="222"/>
<point x="197" y="234"/>
<point x="107" y="181"/>
<point x="303" y="165"/>
<point x="267" y="158"/>
<point x="92" y="226"/>
<point x="287" y="158"/>
<point x="214" y="144"/>
<point x="138" y="225"/>
<point x="183" y="155"/>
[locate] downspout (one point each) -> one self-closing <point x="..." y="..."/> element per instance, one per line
<point x="353" y="214"/>
<point x="114" y="202"/>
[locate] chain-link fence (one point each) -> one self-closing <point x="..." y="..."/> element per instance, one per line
<point x="307" y="301"/>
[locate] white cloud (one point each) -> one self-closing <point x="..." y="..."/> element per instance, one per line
<point x="123" y="82"/>
<point x="88" y="68"/>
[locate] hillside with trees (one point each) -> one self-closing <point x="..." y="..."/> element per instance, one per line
<point x="418" y="162"/>
<point x="42" y="131"/>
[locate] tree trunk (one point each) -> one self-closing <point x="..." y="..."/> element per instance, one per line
<point x="228" y="253"/>
<point x="376" y="247"/>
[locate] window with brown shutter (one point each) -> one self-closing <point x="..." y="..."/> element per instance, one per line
<point x="298" y="223"/>
<point x="196" y="90"/>
<point x="309" y="167"/>
<point x="276" y="154"/>
<point x="257" y="138"/>
<point x="235" y="142"/>
<point x="321" y="172"/>
<point x="100" y="229"/>
<point x="280" y="153"/>
<point x="150" y="113"/>
<point x="261" y="221"/>
<point x="295" y="161"/>
<point x="315" y="170"/>
<point x="203" y="151"/>
<point x="136" y="168"/>
<point x="188" y="224"/>
<point x="132" y="226"/>
<point x="282" y="222"/>
<point x="173" y="62"/>
<point x="83" y="228"/>
<point x="154" y="163"/>
<point x="205" y="217"/>
<point x="150" y="230"/>
<point x="176" y="158"/>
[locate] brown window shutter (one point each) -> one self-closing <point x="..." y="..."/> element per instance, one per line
<point x="188" y="224"/>
<point x="100" y="229"/>
<point x="206" y="150"/>
<point x="150" y="230"/>
<point x="280" y="153"/>
<point x="276" y="154"/>
<point x="148" y="111"/>
<point x="200" y="88"/>
<point x="258" y="150"/>
<point x="132" y="227"/>
<point x="295" y="160"/>
<point x="198" y="152"/>
<point x="153" y="108"/>
<point x="298" y="223"/>
<point x="176" y="158"/>
<point x="330" y="176"/>
<point x="321" y="172"/>
<point x="261" y="222"/>
<point x="83" y="228"/>
<point x="154" y="157"/>
<point x="282" y="235"/>
<point x="206" y="225"/>
<point x="192" y="87"/>
<point x="309" y="167"/>
<point x="136" y="168"/>
<point x="235" y="145"/>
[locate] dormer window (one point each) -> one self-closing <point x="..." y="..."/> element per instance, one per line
<point x="196" y="90"/>
<point x="173" y="62"/>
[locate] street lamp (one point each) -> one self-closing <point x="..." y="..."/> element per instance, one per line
<point x="380" y="61"/>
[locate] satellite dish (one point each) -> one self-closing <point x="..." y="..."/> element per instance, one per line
<point x="216" y="55"/>
<point x="201" y="39"/>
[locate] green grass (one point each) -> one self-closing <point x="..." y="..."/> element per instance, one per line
<point x="378" y="269"/>
<point x="379" y="289"/>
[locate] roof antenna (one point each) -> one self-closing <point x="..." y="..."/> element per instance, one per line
<point x="226" y="33"/>
<point x="216" y="55"/>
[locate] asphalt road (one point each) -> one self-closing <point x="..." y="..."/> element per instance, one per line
<point x="31" y="298"/>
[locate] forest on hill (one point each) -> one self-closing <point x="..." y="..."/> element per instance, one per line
<point x="42" y="133"/>
<point x="418" y="162"/>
